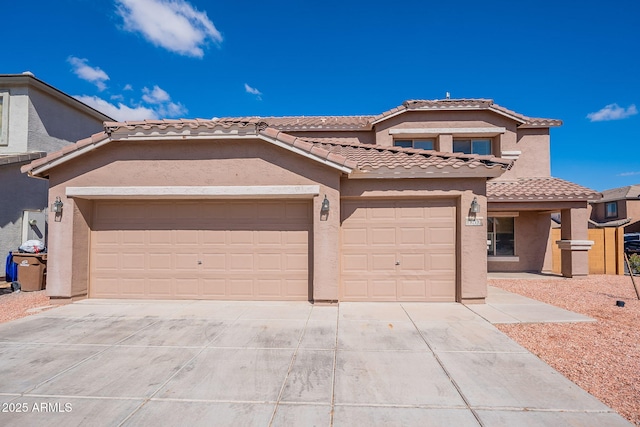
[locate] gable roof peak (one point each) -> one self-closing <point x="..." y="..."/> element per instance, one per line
<point x="466" y="104"/>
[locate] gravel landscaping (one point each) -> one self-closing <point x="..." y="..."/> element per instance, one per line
<point x="602" y="357"/>
<point x="20" y="304"/>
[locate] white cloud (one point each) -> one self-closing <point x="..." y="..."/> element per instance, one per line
<point x="612" y="112"/>
<point x="120" y="111"/>
<point x="253" y="91"/>
<point x="172" y="24"/>
<point x="90" y="74"/>
<point x="629" y="173"/>
<point x="155" y="95"/>
<point x="127" y="87"/>
<point x="156" y="103"/>
<point x="162" y="101"/>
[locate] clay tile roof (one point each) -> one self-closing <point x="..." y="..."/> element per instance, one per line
<point x="535" y="189"/>
<point x="466" y="104"/>
<point x="369" y="157"/>
<point x="309" y="123"/>
<point x="309" y="147"/>
<point x="631" y="192"/>
<point x="179" y="124"/>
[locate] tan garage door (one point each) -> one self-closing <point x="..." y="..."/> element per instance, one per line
<point x="400" y="250"/>
<point x="236" y="250"/>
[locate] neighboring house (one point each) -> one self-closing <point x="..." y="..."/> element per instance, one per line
<point x="619" y="207"/>
<point x="35" y="118"/>
<point x="394" y="207"/>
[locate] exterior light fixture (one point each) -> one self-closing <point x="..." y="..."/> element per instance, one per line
<point x="56" y="206"/>
<point x="325" y="205"/>
<point x="475" y="206"/>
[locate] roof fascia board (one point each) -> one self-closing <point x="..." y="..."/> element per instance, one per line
<point x="67" y="157"/>
<point x="534" y="205"/>
<point x="382" y="119"/>
<point x="448" y="172"/>
<point x="194" y="192"/>
<point x="27" y="80"/>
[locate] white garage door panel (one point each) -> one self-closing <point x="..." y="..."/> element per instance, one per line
<point x="401" y="250"/>
<point x="206" y="250"/>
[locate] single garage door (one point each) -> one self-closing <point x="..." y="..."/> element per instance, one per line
<point x="235" y="250"/>
<point x="402" y="250"/>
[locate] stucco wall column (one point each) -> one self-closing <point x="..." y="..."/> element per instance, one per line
<point x="574" y="245"/>
<point x="445" y="143"/>
<point x="60" y="248"/>
<point x="472" y="244"/>
<point x="326" y="246"/>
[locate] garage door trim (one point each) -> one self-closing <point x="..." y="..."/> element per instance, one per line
<point x="195" y="192"/>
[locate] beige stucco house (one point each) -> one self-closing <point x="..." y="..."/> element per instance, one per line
<point x="415" y="204"/>
<point x="35" y="118"/>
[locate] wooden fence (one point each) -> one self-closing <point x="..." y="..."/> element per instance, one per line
<point x="605" y="257"/>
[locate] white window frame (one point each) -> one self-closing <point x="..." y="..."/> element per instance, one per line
<point x="4" y="119"/>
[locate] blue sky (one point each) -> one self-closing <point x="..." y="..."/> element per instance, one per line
<point x="574" y="61"/>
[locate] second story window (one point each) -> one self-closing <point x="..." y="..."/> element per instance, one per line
<point x="423" y="144"/>
<point x="611" y="209"/>
<point x="472" y="146"/>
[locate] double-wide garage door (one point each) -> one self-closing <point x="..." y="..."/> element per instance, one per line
<point x="238" y="250"/>
<point x="401" y="250"/>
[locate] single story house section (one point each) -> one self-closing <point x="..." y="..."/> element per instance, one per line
<point x="239" y="209"/>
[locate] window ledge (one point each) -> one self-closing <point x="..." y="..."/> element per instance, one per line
<point x="503" y="258"/>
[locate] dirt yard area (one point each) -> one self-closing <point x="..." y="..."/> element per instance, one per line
<point x="20" y="304"/>
<point x="602" y="357"/>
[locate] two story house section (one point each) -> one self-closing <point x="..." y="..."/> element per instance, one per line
<point x="414" y="204"/>
<point x="35" y="118"/>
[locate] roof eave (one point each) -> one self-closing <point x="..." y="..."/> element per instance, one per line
<point x="29" y="80"/>
<point x="429" y="172"/>
<point x="541" y="198"/>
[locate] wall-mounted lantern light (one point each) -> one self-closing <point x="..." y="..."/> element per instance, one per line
<point x="475" y="206"/>
<point x="325" y="205"/>
<point x="56" y="206"/>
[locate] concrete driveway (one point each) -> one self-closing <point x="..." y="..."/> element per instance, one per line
<point x="99" y="362"/>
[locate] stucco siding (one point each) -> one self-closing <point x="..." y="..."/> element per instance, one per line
<point x="445" y="119"/>
<point x="532" y="230"/>
<point x="53" y="124"/>
<point x="535" y="155"/>
<point x="187" y="163"/>
<point x="18" y="118"/>
<point x="18" y="193"/>
<point x="190" y="163"/>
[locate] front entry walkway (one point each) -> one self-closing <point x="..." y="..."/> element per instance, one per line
<point x="215" y="363"/>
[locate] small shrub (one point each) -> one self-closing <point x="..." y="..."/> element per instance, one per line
<point x="634" y="263"/>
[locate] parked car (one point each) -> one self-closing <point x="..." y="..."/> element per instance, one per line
<point x="632" y="243"/>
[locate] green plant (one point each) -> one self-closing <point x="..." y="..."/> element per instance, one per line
<point x="634" y="263"/>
